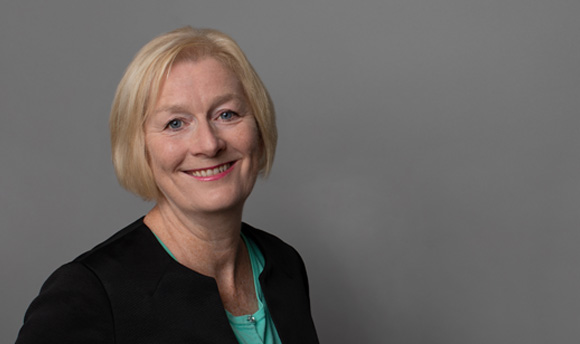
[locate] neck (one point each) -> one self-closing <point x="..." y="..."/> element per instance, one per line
<point x="207" y="243"/>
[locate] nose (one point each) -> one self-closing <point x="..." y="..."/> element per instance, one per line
<point x="206" y="140"/>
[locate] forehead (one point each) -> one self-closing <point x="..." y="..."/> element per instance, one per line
<point x="202" y="76"/>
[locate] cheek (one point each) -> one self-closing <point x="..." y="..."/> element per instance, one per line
<point x="260" y="149"/>
<point x="162" y="154"/>
<point x="252" y="143"/>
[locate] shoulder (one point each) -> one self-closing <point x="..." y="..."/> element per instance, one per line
<point x="278" y="254"/>
<point x="79" y="298"/>
<point x="70" y="300"/>
<point x="129" y="262"/>
<point x="270" y="244"/>
<point x="132" y="238"/>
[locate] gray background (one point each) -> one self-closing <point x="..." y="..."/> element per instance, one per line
<point x="427" y="168"/>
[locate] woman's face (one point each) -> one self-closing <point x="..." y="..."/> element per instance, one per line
<point x="202" y="139"/>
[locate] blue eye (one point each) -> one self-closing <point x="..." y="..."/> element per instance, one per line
<point x="175" y="124"/>
<point x="227" y="115"/>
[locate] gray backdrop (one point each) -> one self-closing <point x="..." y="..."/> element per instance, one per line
<point x="427" y="168"/>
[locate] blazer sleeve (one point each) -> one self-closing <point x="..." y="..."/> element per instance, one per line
<point x="72" y="307"/>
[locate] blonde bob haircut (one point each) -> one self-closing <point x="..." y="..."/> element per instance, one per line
<point x="140" y="87"/>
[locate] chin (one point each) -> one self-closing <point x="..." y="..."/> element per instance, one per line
<point x="220" y="205"/>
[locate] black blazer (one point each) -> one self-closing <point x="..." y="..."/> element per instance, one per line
<point x="129" y="290"/>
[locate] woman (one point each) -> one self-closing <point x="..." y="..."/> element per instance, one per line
<point x="191" y="128"/>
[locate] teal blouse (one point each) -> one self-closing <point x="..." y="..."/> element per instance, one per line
<point x="257" y="328"/>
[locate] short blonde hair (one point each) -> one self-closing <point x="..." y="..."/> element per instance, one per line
<point x="140" y="87"/>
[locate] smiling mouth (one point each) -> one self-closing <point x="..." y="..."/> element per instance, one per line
<point x="212" y="171"/>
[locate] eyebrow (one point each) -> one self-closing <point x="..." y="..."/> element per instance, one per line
<point x="216" y="102"/>
<point x="170" y="109"/>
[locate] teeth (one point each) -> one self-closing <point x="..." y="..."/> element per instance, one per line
<point x="210" y="172"/>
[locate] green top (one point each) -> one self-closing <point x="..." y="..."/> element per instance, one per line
<point x="257" y="328"/>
